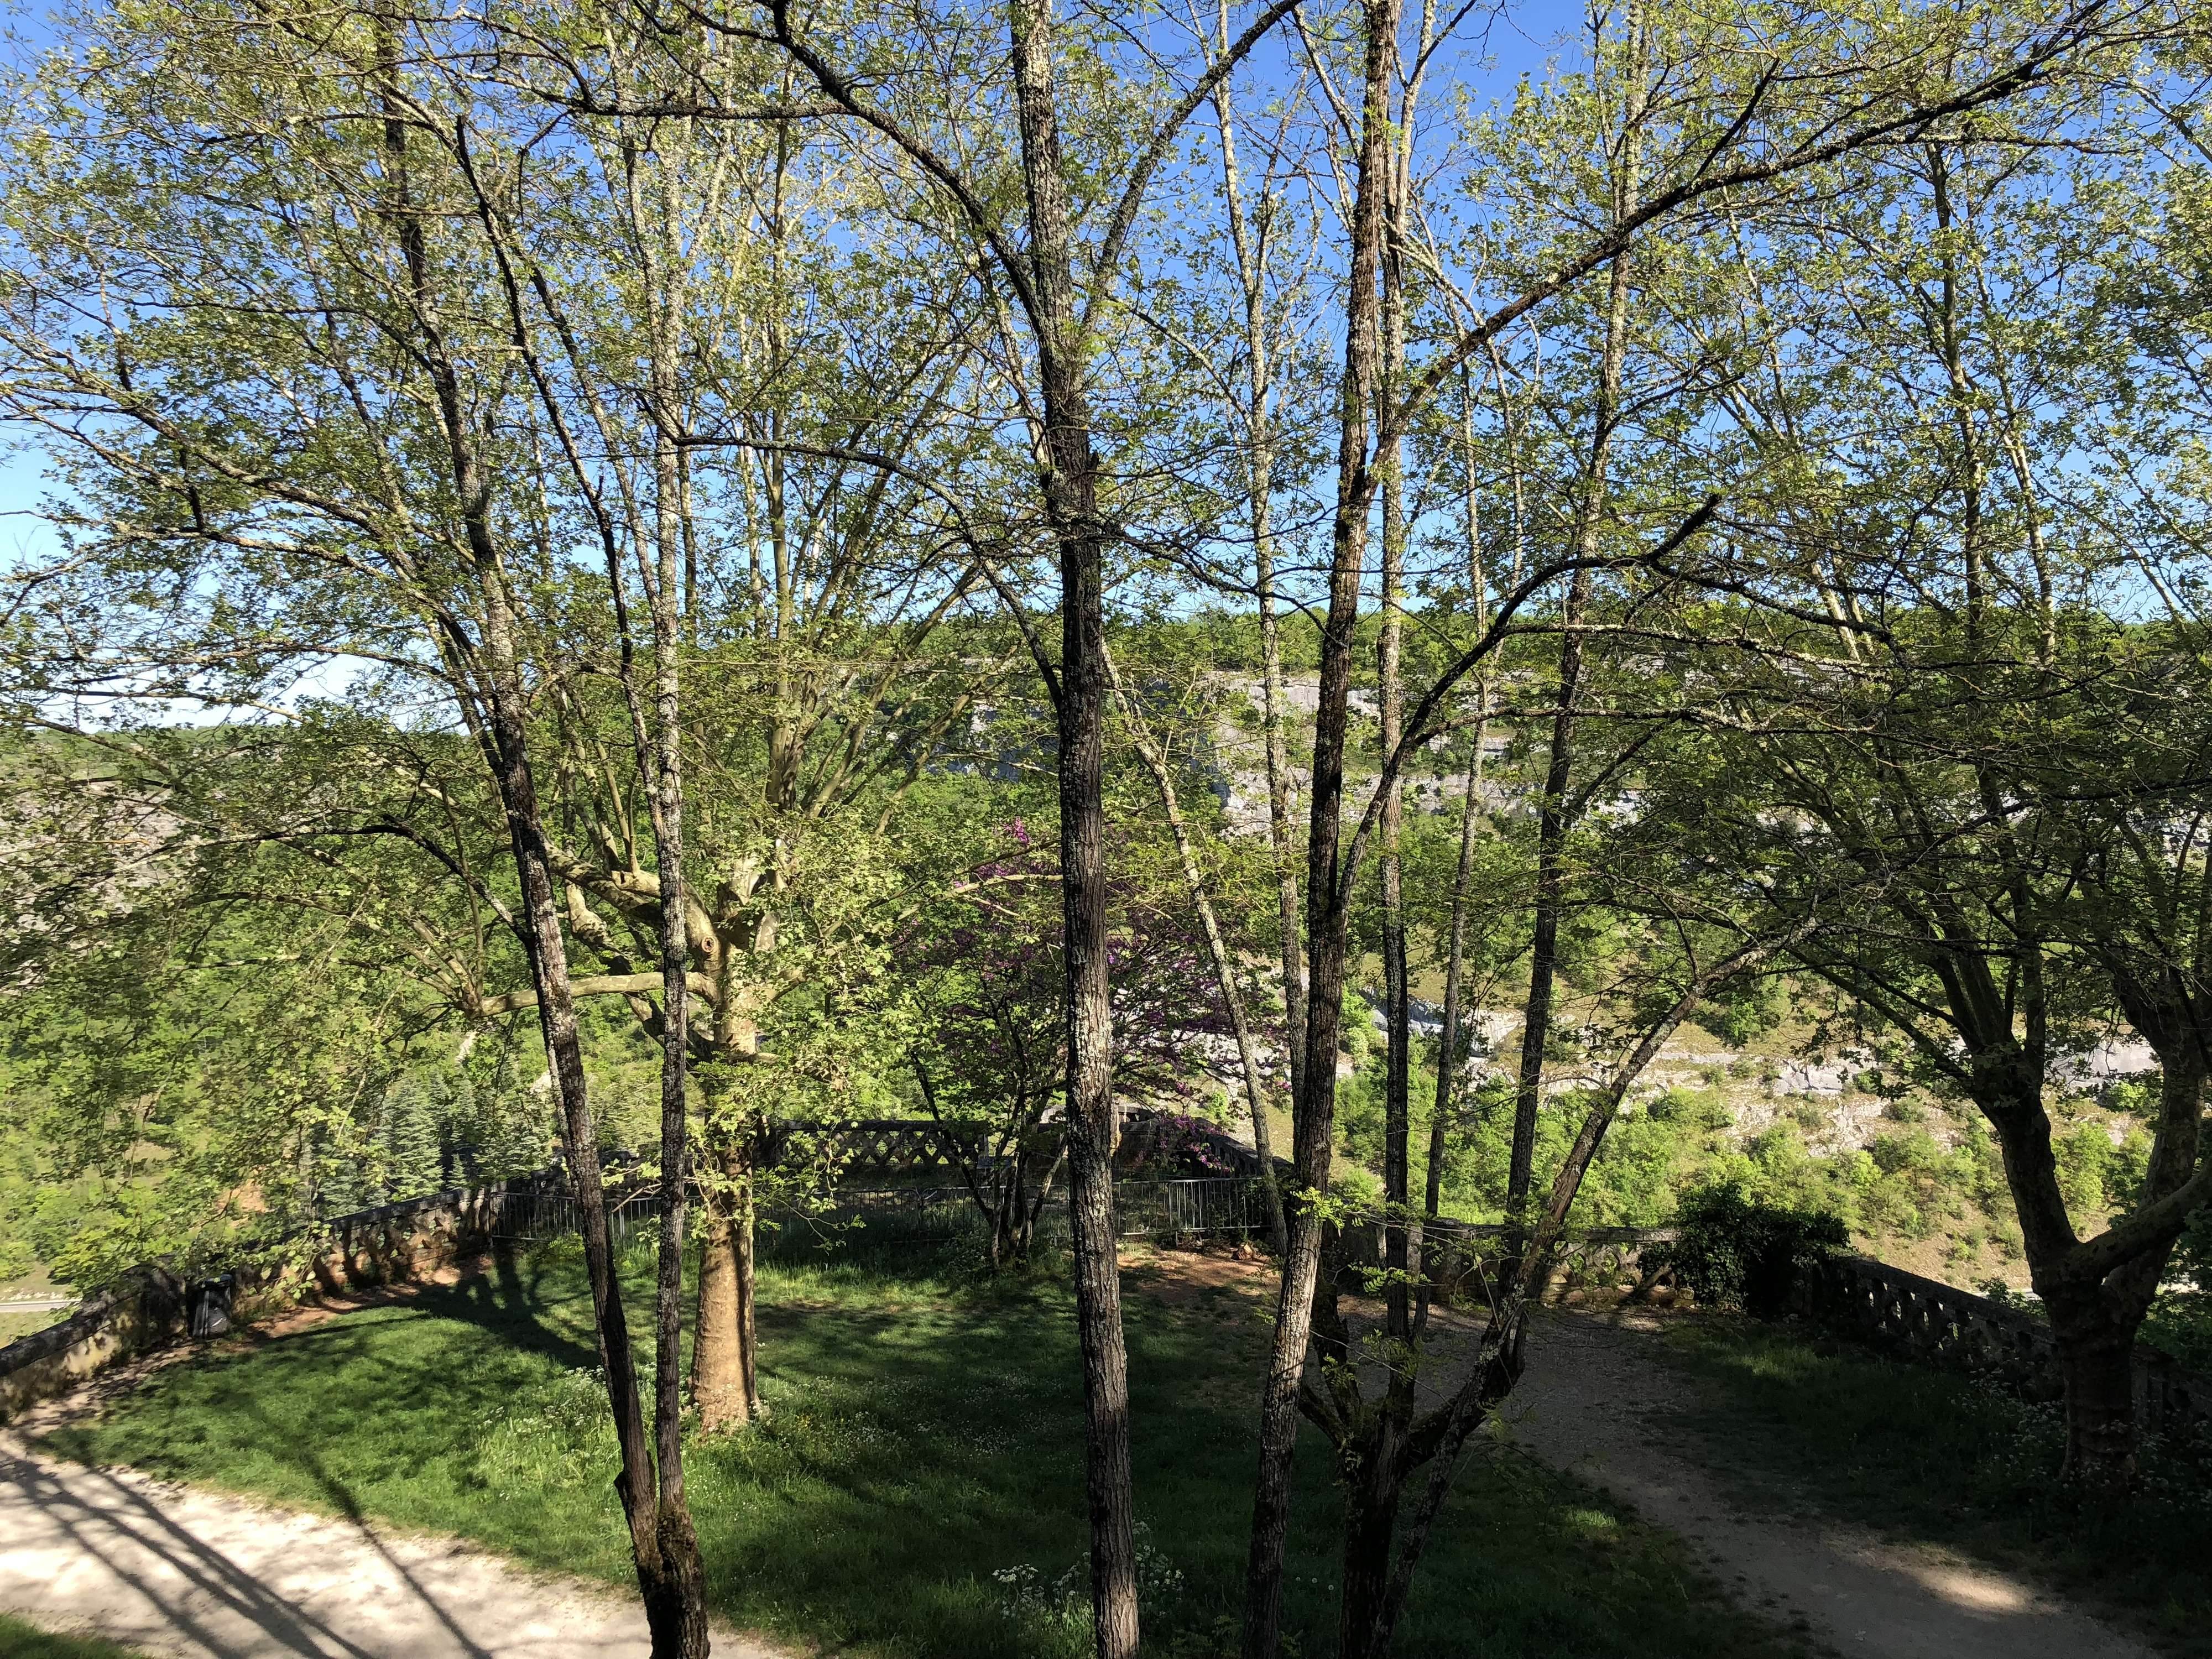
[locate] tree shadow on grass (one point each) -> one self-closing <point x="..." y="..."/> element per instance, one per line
<point x="925" y="1437"/>
<point x="390" y="1390"/>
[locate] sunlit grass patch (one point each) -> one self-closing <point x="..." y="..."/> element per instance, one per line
<point x="19" y="1640"/>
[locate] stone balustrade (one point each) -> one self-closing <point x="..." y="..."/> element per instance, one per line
<point x="151" y="1305"/>
<point x="1931" y="1320"/>
<point x="143" y="1310"/>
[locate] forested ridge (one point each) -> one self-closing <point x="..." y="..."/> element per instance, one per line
<point x="626" y="584"/>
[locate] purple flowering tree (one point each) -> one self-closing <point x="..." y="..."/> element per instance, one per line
<point x="991" y="1046"/>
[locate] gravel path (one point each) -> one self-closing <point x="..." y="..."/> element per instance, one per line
<point x="172" y="1571"/>
<point x="1586" y="1404"/>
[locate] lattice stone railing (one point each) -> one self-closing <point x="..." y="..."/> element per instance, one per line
<point x="1926" y="1317"/>
<point x="151" y="1305"/>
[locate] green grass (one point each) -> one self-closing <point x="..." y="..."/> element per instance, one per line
<point x="1799" y="1419"/>
<point x="21" y="1641"/>
<point x="917" y="1490"/>
<point x="12" y="1325"/>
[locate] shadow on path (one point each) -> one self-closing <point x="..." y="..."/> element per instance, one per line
<point x="173" y="1570"/>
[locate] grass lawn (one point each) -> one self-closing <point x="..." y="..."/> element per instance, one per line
<point x="12" y="1325"/>
<point x="917" y="1490"/>
<point x="21" y="1641"/>
<point x="1799" y="1419"/>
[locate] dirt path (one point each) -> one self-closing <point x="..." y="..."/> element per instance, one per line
<point x="1585" y="1404"/>
<point x="172" y="1571"/>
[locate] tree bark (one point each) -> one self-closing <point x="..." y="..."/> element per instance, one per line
<point x="1397" y="1086"/>
<point x="1455" y="950"/>
<point x="662" y="1548"/>
<point x="2096" y="1344"/>
<point x="1272" y="716"/>
<point x="2095" y="1320"/>
<point x="1554" y="812"/>
<point x="1371" y="1437"/>
<point x="1326" y="901"/>
<point x="1068" y="476"/>
<point x="1373" y="1489"/>
<point x="685" y="1586"/>
<point x="743" y="1232"/>
<point x="1260" y="472"/>
<point x="720" y="1359"/>
<point x="1544" y="944"/>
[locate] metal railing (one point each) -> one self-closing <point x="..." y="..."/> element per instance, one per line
<point x="1212" y="1204"/>
<point x="528" y="1217"/>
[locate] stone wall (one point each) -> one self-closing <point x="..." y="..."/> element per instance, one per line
<point x="143" y="1310"/>
<point x="1932" y="1320"/>
<point x="399" y="1242"/>
<point x="149" y="1306"/>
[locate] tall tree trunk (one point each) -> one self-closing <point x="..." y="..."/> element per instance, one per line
<point x="1448" y="1063"/>
<point x="1273" y="716"/>
<point x="723" y="1388"/>
<point x="2096" y="1344"/>
<point x="717" y="1378"/>
<point x="1544" y="944"/>
<point x="1455" y="950"/>
<point x="663" y="1589"/>
<point x="745" y="1231"/>
<point x="1252" y="251"/>
<point x="1397" y="1086"/>
<point x="685" y="1585"/>
<point x="662" y="1546"/>
<point x="1069" y="480"/>
<point x="1326" y="901"/>
<point x="1554" y="813"/>
<point x="2007" y="1086"/>
<point x="1370" y="1437"/>
<point x="1372" y="1498"/>
<point x="2096" y="1318"/>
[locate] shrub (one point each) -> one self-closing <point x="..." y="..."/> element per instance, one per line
<point x="1736" y="1253"/>
<point x="2193" y="1252"/>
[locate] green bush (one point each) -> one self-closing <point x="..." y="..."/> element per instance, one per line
<point x="2181" y="1319"/>
<point x="1735" y="1252"/>
<point x="2193" y="1252"/>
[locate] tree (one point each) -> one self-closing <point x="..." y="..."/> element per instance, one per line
<point x="1709" y="154"/>
<point x="1985" y="735"/>
<point x="351" y="309"/>
<point x="922" y="123"/>
<point x="990" y="986"/>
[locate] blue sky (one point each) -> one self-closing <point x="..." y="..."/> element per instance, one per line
<point x="1519" y="39"/>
